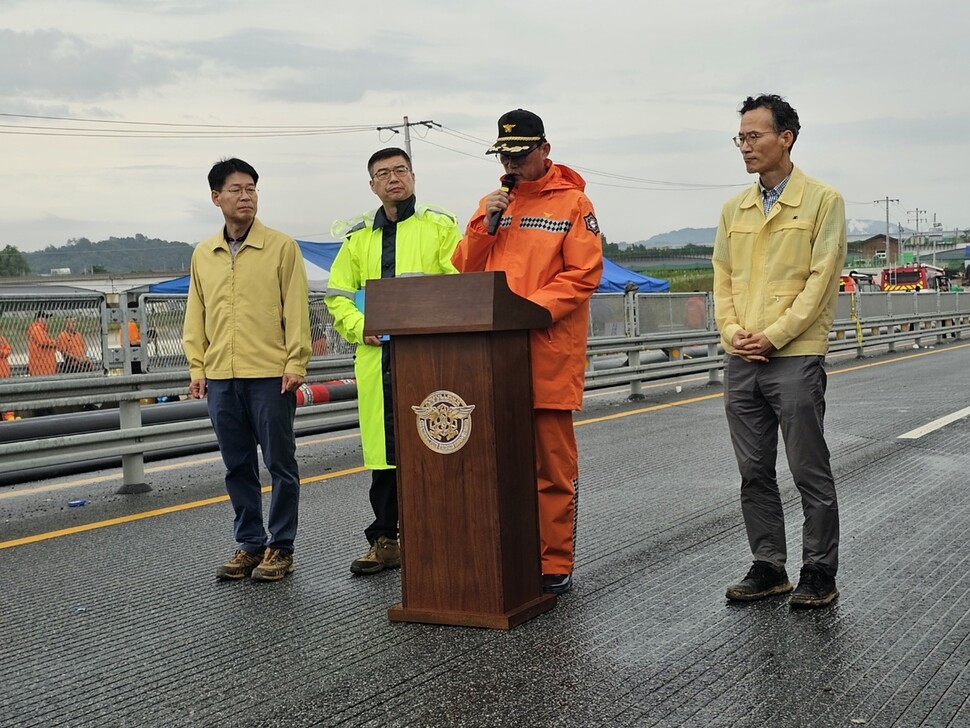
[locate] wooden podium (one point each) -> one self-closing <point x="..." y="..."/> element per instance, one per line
<point x="463" y="427"/>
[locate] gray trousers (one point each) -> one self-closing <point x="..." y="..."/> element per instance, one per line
<point x="785" y="392"/>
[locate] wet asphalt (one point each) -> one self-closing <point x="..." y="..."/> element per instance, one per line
<point x="111" y="615"/>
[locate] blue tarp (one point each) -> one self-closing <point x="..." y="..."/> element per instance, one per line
<point x="616" y="277"/>
<point x="319" y="257"/>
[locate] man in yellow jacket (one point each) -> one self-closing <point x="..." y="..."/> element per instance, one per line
<point x="398" y="238"/>
<point x="247" y="340"/>
<point x="778" y="253"/>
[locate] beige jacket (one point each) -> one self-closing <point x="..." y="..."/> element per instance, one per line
<point x="247" y="318"/>
<point x="780" y="275"/>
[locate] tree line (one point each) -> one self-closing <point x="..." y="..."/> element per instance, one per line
<point x="138" y="254"/>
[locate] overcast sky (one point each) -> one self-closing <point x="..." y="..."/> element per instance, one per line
<point x="640" y="97"/>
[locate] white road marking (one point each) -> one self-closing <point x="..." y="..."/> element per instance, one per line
<point x="935" y="425"/>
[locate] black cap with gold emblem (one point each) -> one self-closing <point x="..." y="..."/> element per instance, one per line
<point x="519" y="132"/>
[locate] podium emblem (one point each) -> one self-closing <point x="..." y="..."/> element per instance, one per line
<point x="444" y="421"/>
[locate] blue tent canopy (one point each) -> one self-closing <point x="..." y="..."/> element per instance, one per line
<point x="319" y="258"/>
<point x="175" y="285"/>
<point x="616" y="277"/>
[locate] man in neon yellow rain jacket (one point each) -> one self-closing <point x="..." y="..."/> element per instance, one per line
<point x="399" y="238"/>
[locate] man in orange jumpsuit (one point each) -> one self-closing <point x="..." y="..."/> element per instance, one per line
<point x="71" y="345"/>
<point x="41" y="359"/>
<point x="5" y="352"/>
<point x="547" y="240"/>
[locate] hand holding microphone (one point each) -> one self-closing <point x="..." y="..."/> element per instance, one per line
<point x="508" y="182"/>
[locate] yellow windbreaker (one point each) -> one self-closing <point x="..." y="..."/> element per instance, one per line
<point x="247" y="318"/>
<point x="780" y="275"/>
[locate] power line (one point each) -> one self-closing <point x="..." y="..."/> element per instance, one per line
<point x="353" y="127"/>
<point x="407" y="130"/>
<point x="67" y="126"/>
<point x="664" y="185"/>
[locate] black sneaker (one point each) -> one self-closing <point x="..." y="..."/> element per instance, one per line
<point x="557" y="583"/>
<point x="763" y="580"/>
<point x="815" y="588"/>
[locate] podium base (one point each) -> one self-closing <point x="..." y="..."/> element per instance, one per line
<point x="506" y="620"/>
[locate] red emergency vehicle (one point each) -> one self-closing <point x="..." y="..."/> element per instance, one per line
<point x="917" y="278"/>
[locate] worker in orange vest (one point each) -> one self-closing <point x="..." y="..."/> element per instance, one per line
<point x="41" y="348"/>
<point x="5" y="351"/>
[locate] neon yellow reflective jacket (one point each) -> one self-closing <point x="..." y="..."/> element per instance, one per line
<point x="424" y="246"/>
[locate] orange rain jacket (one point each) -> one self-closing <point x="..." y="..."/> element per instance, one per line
<point x="5" y="351"/>
<point x="71" y="345"/>
<point x="41" y="359"/>
<point x="548" y="243"/>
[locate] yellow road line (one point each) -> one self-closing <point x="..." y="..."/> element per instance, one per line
<point x="651" y="408"/>
<point x="157" y="512"/>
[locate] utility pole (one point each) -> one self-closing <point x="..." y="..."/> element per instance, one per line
<point x="888" y="246"/>
<point x="916" y="219"/>
<point x="407" y="130"/>
<point x="936" y="233"/>
<point x="900" y="226"/>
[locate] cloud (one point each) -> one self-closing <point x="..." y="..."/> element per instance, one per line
<point x="283" y="66"/>
<point x="51" y="64"/>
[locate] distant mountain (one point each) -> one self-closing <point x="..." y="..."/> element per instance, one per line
<point x="856" y="229"/>
<point x="868" y="228"/>
<point x="136" y="254"/>
<point x="684" y="236"/>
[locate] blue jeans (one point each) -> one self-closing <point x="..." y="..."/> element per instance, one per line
<point x="244" y="413"/>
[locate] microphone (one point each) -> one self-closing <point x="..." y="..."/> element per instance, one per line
<point x="508" y="182"/>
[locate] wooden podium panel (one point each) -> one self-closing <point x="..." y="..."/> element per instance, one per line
<point x="466" y="478"/>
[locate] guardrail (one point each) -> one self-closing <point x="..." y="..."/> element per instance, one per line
<point x="655" y="342"/>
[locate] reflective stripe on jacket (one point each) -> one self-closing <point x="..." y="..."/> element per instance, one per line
<point x="549" y="245"/>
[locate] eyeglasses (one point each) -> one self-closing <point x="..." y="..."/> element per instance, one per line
<point x="236" y="190"/>
<point x="384" y="174"/>
<point x="751" y="137"/>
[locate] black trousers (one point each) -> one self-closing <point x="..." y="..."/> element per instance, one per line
<point x="383" y="499"/>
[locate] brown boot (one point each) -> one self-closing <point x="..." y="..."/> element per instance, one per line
<point x="276" y="564"/>
<point x="384" y="553"/>
<point x="240" y="565"/>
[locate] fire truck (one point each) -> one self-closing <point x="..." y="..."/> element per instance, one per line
<point x="919" y="277"/>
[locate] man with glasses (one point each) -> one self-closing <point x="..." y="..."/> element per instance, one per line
<point x="247" y="339"/>
<point x="778" y="253"/>
<point x="398" y="238"/>
<point x="542" y="231"/>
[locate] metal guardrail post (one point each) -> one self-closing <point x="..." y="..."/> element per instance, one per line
<point x="714" y="375"/>
<point x="132" y="464"/>
<point x="636" y="386"/>
<point x="631" y="328"/>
